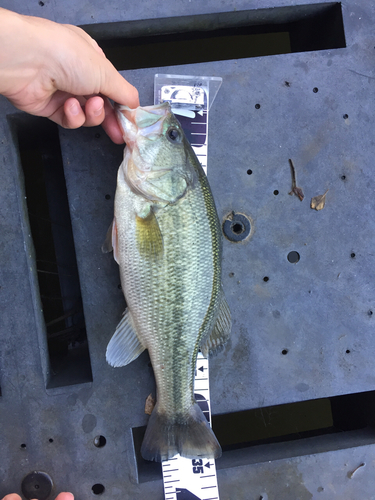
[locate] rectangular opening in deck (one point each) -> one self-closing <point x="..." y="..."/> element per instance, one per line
<point x="221" y="36"/>
<point x="56" y="265"/>
<point x="283" y="431"/>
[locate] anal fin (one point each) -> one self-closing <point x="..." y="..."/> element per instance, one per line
<point x="125" y="346"/>
<point x="215" y="341"/>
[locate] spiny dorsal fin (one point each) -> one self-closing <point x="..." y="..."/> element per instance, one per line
<point x="221" y="331"/>
<point x="124" y="346"/>
<point x="148" y="236"/>
<point x="110" y="242"/>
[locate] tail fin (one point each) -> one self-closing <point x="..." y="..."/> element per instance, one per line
<point x="191" y="438"/>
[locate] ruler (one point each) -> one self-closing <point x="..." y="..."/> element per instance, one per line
<point x="185" y="478"/>
<point x="193" y="479"/>
<point x="190" y="98"/>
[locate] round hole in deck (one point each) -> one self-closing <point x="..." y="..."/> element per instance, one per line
<point x="23" y="446"/>
<point x="257" y="106"/>
<point x="265" y="279"/>
<point x="347" y="351"/>
<point x="249" y="172"/>
<point x="107" y="196"/>
<point x="276" y="192"/>
<point x="284" y="351"/>
<point x="343" y="177"/>
<point x="345" y="116"/>
<point x="238" y="228"/>
<point x="352" y="255"/>
<point x="370" y="313"/>
<point x="293" y="257"/>
<point x="98" y="489"/>
<point x="315" y="90"/>
<point x="50" y="440"/>
<point x="100" y="441"/>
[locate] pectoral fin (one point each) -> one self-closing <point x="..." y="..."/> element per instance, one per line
<point x="220" y="334"/>
<point x="125" y="346"/>
<point x="148" y="236"/>
<point x="111" y="241"/>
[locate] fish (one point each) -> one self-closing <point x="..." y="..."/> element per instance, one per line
<point x="167" y="239"/>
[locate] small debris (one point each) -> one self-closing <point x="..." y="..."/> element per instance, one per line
<point x="318" y="202"/>
<point x="351" y="474"/>
<point x="149" y="405"/>
<point x="295" y="189"/>
<point x="298" y="192"/>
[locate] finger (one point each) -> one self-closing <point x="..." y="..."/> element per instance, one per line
<point x="106" y="80"/>
<point x="65" y="496"/>
<point x="94" y="111"/>
<point x="13" y="496"/>
<point x="115" y="87"/>
<point x="69" y="115"/>
<point x="110" y="124"/>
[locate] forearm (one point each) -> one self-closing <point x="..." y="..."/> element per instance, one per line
<point x="10" y="23"/>
<point x="20" y="56"/>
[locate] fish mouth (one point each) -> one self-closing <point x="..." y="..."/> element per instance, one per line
<point x="146" y="121"/>
<point x="141" y="126"/>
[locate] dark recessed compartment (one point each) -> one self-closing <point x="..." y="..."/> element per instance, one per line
<point x="283" y="431"/>
<point x="55" y="259"/>
<point x="220" y="36"/>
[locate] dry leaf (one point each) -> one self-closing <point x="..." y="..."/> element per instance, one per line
<point x="318" y="202"/>
<point x="149" y="405"/>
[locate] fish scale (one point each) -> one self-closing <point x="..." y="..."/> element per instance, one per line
<point x="167" y="241"/>
<point x="173" y="310"/>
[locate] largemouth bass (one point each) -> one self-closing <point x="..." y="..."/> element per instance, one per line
<point x="166" y="238"/>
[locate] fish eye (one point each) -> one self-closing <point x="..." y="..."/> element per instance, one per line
<point x="174" y="135"/>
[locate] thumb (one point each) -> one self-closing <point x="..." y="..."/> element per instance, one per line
<point x="118" y="89"/>
<point x="65" y="496"/>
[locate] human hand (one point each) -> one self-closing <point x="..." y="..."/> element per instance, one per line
<point x="59" y="71"/>
<point x="62" y="496"/>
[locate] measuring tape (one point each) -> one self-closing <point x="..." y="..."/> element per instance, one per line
<point x="193" y="479"/>
<point x="185" y="478"/>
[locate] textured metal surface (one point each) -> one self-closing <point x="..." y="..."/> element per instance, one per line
<point x="316" y="309"/>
